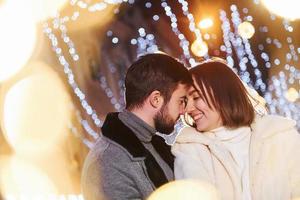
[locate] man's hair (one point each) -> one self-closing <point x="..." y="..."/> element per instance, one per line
<point x="153" y="72"/>
<point x="226" y="91"/>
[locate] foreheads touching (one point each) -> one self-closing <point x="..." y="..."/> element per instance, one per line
<point x="153" y="72"/>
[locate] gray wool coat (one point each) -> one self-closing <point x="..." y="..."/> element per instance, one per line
<point x="120" y="167"/>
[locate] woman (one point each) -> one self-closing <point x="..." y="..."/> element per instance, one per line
<point x="244" y="155"/>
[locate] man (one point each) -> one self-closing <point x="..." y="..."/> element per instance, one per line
<point x="130" y="161"/>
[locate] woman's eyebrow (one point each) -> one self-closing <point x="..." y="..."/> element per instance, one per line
<point x="192" y="92"/>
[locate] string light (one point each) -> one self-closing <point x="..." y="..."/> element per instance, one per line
<point x="99" y="6"/>
<point x="242" y="48"/>
<point x="117" y="104"/>
<point x="278" y="95"/>
<point x="277" y="100"/>
<point x="192" y="25"/>
<point x="145" y="43"/>
<point x="184" y="43"/>
<point x="226" y="31"/>
<point x="71" y="80"/>
<point x="195" y="30"/>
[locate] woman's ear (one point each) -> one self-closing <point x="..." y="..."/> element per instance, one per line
<point x="155" y="99"/>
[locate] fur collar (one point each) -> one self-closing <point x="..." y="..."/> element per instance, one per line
<point x="114" y="129"/>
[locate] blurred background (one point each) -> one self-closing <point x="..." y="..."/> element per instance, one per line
<point x="63" y="62"/>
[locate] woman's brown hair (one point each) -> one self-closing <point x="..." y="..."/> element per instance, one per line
<point x="217" y="82"/>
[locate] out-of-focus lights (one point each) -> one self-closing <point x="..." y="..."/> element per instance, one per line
<point x="292" y="95"/>
<point x="205" y="23"/>
<point x="40" y="9"/>
<point x="185" y="189"/>
<point x="36" y="112"/>
<point x="285" y="8"/>
<point x="199" y="48"/>
<point x="246" y="30"/>
<point x="17" y="39"/>
<point x="18" y="176"/>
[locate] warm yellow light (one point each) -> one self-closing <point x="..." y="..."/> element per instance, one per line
<point x="40" y="9"/>
<point x="285" y="8"/>
<point x="44" y="9"/>
<point x="246" y="30"/>
<point x="20" y="177"/>
<point x="95" y="19"/>
<point x="185" y="189"/>
<point x="292" y="95"/>
<point x="17" y="39"/>
<point x="206" y="23"/>
<point x="199" y="48"/>
<point x="36" y="112"/>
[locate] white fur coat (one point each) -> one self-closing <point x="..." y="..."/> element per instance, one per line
<point x="274" y="161"/>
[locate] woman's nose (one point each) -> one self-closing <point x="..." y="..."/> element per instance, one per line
<point x="190" y="106"/>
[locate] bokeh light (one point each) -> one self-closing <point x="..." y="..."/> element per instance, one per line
<point x="185" y="189"/>
<point x="17" y="39"/>
<point x="199" y="48"/>
<point x="36" y="111"/>
<point x="205" y="23"/>
<point x="285" y="8"/>
<point x="40" y="9"/>
<point x="17" y="177"/>
<point x="292" y="94"/>
<point x="246" y="30"/>
<point x="44" y="9"/>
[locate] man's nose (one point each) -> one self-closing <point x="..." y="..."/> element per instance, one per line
<point x="182" y="111"/>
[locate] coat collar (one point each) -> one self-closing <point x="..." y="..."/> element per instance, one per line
<point x="115" y="130"/>
<point x="142" y="130"/>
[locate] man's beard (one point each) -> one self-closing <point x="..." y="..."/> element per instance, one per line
<point x="163" y="122"/>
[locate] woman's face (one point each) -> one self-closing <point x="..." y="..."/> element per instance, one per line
<point x="205" y="118"/>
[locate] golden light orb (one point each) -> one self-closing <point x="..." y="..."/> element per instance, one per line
<point x="199" y="48"/>
<point x="20" y="177"/>
<point x="185" y="189"/>
<point x="40" y="10"/>
<point x="288" y="9"/>
<point x="36" y="111"/>
<point x="246" y="30"/>
<point x="292" y="94"/>
<point x="206" y="23"/>
<point x="17" y="39"/>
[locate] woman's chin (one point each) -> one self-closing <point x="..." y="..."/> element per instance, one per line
<point x="200" y="128"/>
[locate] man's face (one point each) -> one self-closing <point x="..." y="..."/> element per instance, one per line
<point x="169" y="113"/>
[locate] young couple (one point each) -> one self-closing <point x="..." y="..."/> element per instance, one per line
<point x="244" y="155"/>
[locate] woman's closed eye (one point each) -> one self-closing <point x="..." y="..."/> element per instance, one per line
<point x="196" y="97"/>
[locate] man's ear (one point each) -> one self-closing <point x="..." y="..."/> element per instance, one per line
<point x="155" y="99"/>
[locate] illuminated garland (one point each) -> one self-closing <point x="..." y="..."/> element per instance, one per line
<point x="275" y="94"/>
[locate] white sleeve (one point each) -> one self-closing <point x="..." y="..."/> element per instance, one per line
<point x="295" y="164"/>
